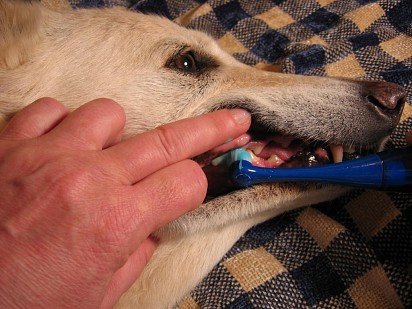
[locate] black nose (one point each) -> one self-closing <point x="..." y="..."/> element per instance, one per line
<point x="389" y="98"/>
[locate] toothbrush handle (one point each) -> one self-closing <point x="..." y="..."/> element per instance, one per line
<point x="397" y="169"/>
<point x="389" y="170"/>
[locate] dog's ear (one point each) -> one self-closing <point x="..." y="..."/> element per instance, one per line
<point x="20" y="23"/>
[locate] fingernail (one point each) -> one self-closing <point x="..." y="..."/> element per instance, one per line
<point x="240" y="116"/>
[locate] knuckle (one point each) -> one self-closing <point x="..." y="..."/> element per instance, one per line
<point x="26" y="123"/>
<point x="108" y="109"/>
<point x="190" y="186"/>
<point x="167" y="143"/>
<point x="18" y="159"/>
<point x="199" y="179"/>
<point x="68" y="177"/>
<point x="51" y="103"/>
<point x="72" y="183"/>
<point x="112" y="106"/>
<point x="199" y="184"/>
<point x="222" y="121"/>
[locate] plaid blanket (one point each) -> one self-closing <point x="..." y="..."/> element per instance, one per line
<point x="355" y="251"/>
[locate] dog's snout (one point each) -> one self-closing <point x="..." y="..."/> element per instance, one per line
<point x="389" y="98"/>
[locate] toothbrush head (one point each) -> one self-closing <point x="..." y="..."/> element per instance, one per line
<point x="238" y="154"/>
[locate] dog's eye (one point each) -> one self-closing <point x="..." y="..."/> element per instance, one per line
<point x="185" y="62"/>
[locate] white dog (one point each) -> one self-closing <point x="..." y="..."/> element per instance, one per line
<point x="160" y="72"/>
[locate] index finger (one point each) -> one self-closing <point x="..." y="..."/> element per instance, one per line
<point x="151" y="151"/>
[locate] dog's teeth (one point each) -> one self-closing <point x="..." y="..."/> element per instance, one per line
<point x="349" y="149"/>
<point x="275" y="160"/>
<point x="256" y="146"/>
<point x="337" y="153"/>
<point x="257" y="149"/>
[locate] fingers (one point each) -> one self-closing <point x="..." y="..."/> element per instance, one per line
<point x="148" y="152"/>
<point x="35" y="119"/>
<point x="155" y="201"/>
<point x="94" y="125"/>
<point x="170" y="193"/>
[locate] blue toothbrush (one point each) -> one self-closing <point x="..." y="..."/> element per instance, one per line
<point x="388" y="170"/>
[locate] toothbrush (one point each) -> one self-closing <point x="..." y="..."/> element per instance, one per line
<point x="388" y="170"/>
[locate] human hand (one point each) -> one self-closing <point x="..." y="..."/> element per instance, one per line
<point x="78" y="206"/>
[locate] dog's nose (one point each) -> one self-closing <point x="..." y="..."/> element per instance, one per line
<point x="389" y="98"/>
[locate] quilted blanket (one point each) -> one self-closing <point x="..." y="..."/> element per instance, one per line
<point x="355" y="251"/>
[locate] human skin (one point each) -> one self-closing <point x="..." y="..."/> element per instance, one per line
<point x="78" y="205"/>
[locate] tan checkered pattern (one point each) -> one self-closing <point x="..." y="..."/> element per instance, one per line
<point x="188" y="303"/>
<point x="324" y="2"/>
<point x="231" y="44"/>
<point x="374" y="290"/>
<point x="407" y="112"/>
<point x="372" y="211"/>
<point x="197" y="12"/>
<point x="276" y="18"/>
<point x="320" y="227"/>
<point x="366" y="15"/>
<point x="347" y="67"/>
<point x="399" y="47"/>
<point x="265" y="267"/>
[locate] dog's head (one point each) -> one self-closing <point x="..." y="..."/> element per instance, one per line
<point x="160" y="72"/>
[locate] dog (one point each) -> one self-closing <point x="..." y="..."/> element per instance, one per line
<point x="161" y="72"/>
